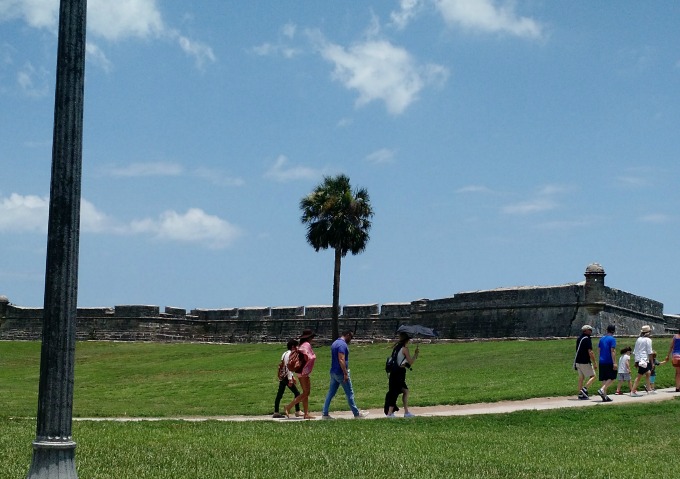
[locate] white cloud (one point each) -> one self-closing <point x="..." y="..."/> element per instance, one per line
<point x="217" y="177"/>
<point x="23" y="213"/>
<point x="37" y="13"/>
<point x="161" y="168"/>
<point x="33" y="82"/>
<point x="30" y="214"/>
<point x="94" y="221"/>
<point x="656" y="218"/>
<point x="408" y="10"/>
<point x="282" y="47"/>
<point x="344" y="122"/>
<point x="7" y="52"/>
<point x="543" y="201"/>
<point x="553" y="190"/>
<point x="565" y="224"/>
<point x="633" y="181"/>
<point x="194" y="226"/>
<point x="119" y="19"/>
<point x="281" y="172"/>
<point x="535" y="205"/>
<point x="474" y="189"/>
<point x="98" y="57"/>
<point x="112" y="20"/>
<point x="108" y="19"/>
<point x="19" y="214"/>
<point x="487" y="16"/>
<point x="381" y="156"/>
<point x="201" y="52"/>
<point x="134" y="170"/>
<point x="289" y="30"/>
<point x="379" y="70"/>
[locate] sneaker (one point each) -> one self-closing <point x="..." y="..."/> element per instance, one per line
<point x="391" y="415"/>
<point x="606" y="399"/>
<point x="299" y="414"/>
<point x="278" y="415"/>
<point x="618" y="393"/>
<point x="409" y="414"/>
<point x="362" y="414"/>
<point x="327" y="416"/>
<point x="635" y="394"/>
<point x="601" y="393"/>
<point x="646" y="389"/>
<point x="585" y="392"/>
<point x="653" y="391"/>
<point x="581" y="396"/>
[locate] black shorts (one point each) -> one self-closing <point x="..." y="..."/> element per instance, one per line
<point x="607" y="372"/>
<point x="642" y="371"/>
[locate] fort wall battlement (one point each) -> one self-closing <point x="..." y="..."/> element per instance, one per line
<point x="520" y="312"/>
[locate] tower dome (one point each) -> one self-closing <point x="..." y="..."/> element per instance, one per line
<point x="595" y="268"/>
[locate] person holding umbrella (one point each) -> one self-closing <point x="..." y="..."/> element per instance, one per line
<point x="397" y="382"/>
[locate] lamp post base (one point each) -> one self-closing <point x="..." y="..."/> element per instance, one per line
<point x="53" y="459"/>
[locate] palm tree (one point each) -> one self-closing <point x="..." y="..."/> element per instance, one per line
<point x="338" y="218"/>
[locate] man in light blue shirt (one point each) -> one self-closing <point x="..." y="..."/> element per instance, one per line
<point x="340" y="375"/>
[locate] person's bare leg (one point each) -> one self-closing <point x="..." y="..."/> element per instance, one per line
<point x="404" y="399"/>
<point x="635" y="384"/>
<point x="306" y="386"/>
<point x="590" y="381"/>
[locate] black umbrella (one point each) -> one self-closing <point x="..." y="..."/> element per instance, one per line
<point x="414" y="330"/>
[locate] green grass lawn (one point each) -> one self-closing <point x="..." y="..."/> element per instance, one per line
<point x="166" y="380"/>
<point x="616" y="441"/>
<point x="140" y="379"/>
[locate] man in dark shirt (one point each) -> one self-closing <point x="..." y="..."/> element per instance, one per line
<point x="584" y="361"/>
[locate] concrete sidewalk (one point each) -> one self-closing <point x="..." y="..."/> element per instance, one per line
<point x="534" y="404"/>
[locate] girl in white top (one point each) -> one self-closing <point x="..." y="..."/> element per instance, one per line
<point x="623" y="373"/>
<point x="643" y="348"/>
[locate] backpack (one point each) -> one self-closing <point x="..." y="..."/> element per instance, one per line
<point x="296" y="361"/>
<point x="391" y="362"/>
<point x="282" y="373"/>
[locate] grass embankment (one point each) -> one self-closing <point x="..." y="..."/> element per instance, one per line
<point x="115" y="379"/>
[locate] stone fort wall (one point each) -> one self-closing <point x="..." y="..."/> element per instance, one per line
<point x="521" y="312"/>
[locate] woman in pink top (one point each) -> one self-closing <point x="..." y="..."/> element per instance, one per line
<point x="305" y="348"/>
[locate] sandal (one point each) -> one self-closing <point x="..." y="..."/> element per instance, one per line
<point x="309" y="416"/>
<point x="286" y="412"/>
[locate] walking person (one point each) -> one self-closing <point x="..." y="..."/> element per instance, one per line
<point x="584" y="361"/>
<point x="340" y="375"/>
<point x="397" y="382"/>
<point x="653" y="363"/>
<point x="608" y="366"/>
<point x="286" y="381"/>
<point x="623" y="373"/>
<point x="642" y="350"/>
<point x="674" y="356"/>
<point x="305" y="348"/>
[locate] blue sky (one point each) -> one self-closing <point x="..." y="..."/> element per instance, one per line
<point x="502" y="144"/>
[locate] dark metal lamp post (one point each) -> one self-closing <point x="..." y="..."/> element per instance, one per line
<point x="54" y="448"/>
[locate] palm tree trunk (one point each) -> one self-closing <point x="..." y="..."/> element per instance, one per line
<point x="335" y="333"/>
